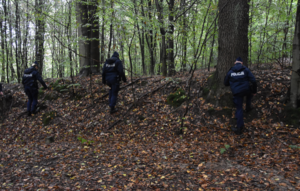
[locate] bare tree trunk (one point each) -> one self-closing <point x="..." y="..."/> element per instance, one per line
<point x="5" y="36"/>
<point x="170" y="53"/>
<point x="18" y="41"/>
<point x="102" y="33"/>
<point x="141" y="34"/>
<point x="89" y="34"/>
<point x="11" y="58"/>
<point x="2" y="28"/>
<point x="286" y="31"/>
<point x="40" y="32"/>
<point x="25" y="51"/>
<point x="159" y="7"/>
<point x="233" y="35"/>
<point x="212" y="48"/>
<point x="295" y="79"/>
<point x="110" y="31"/>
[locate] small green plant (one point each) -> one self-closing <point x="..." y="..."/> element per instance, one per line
<point x="294" y="147"/>
<point x="177" y="98"/>
<point x="47" y="117"/>
<point x="222" y="150"/>
<point x="83" y="141"/>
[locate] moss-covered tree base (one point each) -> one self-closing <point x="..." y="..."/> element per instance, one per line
<point x="217" y="94"/>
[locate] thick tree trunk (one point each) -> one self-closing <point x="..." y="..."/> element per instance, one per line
<point x="233" y="35"/>
<point x="295" y="79"/>
<point x="170" y="56"/>
<point x="141" y="34"/>
<point x="39" y="36"/>
<point x="159" y="7"/>
<point x="150" y="41"/>
<point x="89" y="29"/>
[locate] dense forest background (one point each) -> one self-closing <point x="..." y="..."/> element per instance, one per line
<point x="157" y="37"/>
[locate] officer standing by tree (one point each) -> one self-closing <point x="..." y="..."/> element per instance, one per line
<point x="238" y="78"/>
<point x="30" y="77"/>
<point x="111" y="75"/>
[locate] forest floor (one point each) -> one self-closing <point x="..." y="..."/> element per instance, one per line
<point x="140" y="147"/>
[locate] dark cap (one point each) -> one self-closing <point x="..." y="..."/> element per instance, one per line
<point x="239" y="59"/>
<point x="35" y="63"/>
<point x="116" y="54"/>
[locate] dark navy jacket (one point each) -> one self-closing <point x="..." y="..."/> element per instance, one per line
<point x="0" y="87"/>
<point x="113" y="70"/>
<point x="30" y="77"/>
<point x="238" y="78"/>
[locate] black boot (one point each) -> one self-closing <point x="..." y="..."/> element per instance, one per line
<point x="28" y="113"/>
<point x="36" y="110"/>
<point x="237" y="131"/>
<point x="113" y="110"/>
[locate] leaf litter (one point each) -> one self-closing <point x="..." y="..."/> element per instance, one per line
<point x="143" y="150"/>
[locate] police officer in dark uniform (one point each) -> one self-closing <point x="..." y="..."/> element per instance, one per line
<point x="111" y="75"/>
<point x="30" y="77"/>
<point x="238" y="78"/>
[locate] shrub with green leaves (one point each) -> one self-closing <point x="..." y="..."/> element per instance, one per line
<point x="84" y="141"/>
<point x="177" y="98"/>
<point x="223" y="150"/>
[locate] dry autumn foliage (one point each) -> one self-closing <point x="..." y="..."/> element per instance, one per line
<point x="143" y="151"/>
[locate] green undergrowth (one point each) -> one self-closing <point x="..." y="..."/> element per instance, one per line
<point x="47" y="117"/>
<point x="177" y="98"/>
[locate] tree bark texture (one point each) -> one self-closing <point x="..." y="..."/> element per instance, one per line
<point x="233" y="35"/>
<point x="295" y="79"/>
<point x="170" y="52"/>
<point x="39" y="35"/>
<point x="89" y="37"/>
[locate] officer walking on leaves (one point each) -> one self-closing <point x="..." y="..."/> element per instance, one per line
<point x="238" y="78"/>
<point x="30" y="77"/>
<point x="111" y="75"/>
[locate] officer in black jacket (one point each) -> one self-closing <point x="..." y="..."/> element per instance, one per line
<point x="111" y="75"/>
<point x="238" y="78"/>
<point x="30" y="77"/>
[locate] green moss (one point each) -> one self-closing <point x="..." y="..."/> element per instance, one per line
<point x="47" y="117"/>
<point x="177" y="98"/>
<point x="57" y="82"/>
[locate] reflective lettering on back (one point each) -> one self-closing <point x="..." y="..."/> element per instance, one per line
<point x="238" y="74"/>
<point x="27" y="75"/>
<point x="110" y="65"/>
